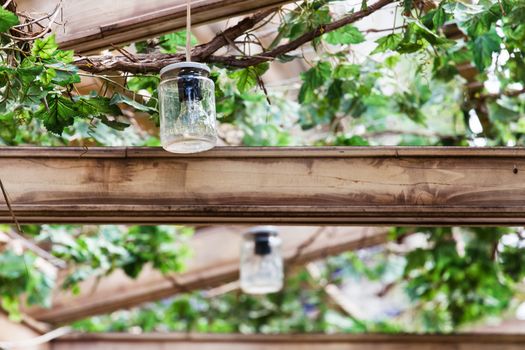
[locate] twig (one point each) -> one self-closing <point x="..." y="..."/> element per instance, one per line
<point x="307" y="243"/>
<point x="19" y="235"/>
<point x="124" y="53"/>
<point x="34" y="21"/>
<point x="41" y="34"/>
<point x="501" y="8"/>
<point x="260" y="82"/>
<point x="373" y="30"/>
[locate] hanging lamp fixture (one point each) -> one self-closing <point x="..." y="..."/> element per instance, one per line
<point x="261" y="269"/>
<point x="187" y="103"/>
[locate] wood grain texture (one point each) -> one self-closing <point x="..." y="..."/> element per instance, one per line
<point x="91" y="26"/>
<point x="289" y="342"/>
<point x="208" y="267"/>
<point x="372" y="186"/>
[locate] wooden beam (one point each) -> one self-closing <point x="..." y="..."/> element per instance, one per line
<point x="289" y="342"/>
<point x="95" y="25"/>
<point x="327" y="185"/>
<point x="208" y="267"/>
<point x="11" y="332"/>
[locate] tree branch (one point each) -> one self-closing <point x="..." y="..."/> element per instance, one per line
<point x="148" y="63"/>
<point x="203" y="53"/>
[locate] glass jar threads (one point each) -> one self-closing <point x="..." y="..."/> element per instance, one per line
<point x="261" y="269"/>
<point x="187" y="108"/>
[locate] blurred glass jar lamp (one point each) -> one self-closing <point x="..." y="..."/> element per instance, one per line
<point x="187" y="103"/>
<point x="261" y="261"/>
<point x="187" y="108"/>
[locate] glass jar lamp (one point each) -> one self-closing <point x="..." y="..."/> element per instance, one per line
<point x="187" y="108"/>
<point x="261" y="269"/>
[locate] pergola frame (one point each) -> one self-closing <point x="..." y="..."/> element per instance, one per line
<point x="289" y="342"/>
<point x="307" y="186"/>
<point x="123" y="22"/>
<point x="208" y="267"/>
<point x="345" y="186"/>
<point x="380" y="186"/>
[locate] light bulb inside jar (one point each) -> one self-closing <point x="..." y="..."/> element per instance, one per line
<point x="187" y="108"/>
<point x="261" y="270"/>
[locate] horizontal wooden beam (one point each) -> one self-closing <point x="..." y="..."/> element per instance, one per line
<point x="208" y="267"/>
<point x="90" y="26"/>
<point x="328" y="185"/>
<point x="14" y="332"/>
<point x="289" y="342"/>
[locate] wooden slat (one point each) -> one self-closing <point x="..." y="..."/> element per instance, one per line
<point x="94" y="25"/>
<point x="373" y="186"/>
<point x="11" y="331"/>
<point x="290" y="342"/>
<point x="208" y="267"/>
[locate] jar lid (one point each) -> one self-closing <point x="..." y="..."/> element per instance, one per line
<point x="265" y="230"/>
<point x="182" y="65"/>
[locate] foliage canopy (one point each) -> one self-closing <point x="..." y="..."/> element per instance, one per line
<point x="410" y="89"/>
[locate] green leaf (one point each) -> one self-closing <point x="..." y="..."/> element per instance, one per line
<point x="407" y="6"/>
<point x="58" y="114"/>
<point x="347" y="34"/>
<point x="45" y="48"/>
<point x="312" y="79"/>
<point x="32" y="96"/>
<point x="27" y="73"/>
<point x="483" y="47"/>
<point x="113" y="123"/>
<point x="66" y="74"/>
<point x="119" y="98"/>
<point x="247" y="78"/>
<point x="7" y="20"/>
<point x="439" y="18"/>
<point x="354" y="140"/>
<point x="96" y="106"/>
<point x="12" y="266"/>
<point x="11" y="305"/>
<point x="64" y="56"/>
<point x="47" y="75"/>
<point x="345" y="70"/>
<point x="284" y="58"/>
<point x="389" y="42"/>
<point x="170" y="43"/>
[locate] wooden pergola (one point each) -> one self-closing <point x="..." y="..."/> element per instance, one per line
<point x="378" y="186"/>
<point x="308" y="186"/>
<point x="305" y="187"/>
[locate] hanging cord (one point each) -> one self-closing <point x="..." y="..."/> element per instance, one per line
<point x="188" y="30"/>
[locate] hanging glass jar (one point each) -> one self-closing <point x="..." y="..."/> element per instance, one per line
<point x="187" y="108"/>
<point x="261" y="269"/>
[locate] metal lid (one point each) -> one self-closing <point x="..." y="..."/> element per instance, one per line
<point x="269" y="230"/>
<point x="181" y="65"/>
